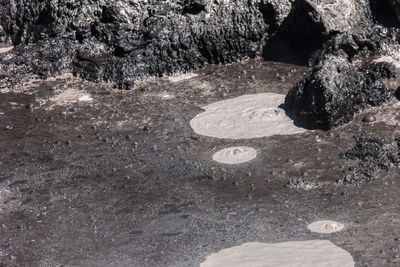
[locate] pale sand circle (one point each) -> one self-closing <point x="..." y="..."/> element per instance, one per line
<point x="235" y="155"/>
<point x="312" y="253"/>
<point x="325" y="227"/>
<point x="245" y="117"/>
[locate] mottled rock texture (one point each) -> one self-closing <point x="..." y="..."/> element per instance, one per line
<point x="122" y="41"/>
<point x="341" y="83"/>
<point x="374" y="154"/>
<point x="334" y="91"/>
<point x="127" y="40"/>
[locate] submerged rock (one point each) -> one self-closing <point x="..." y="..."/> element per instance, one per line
<point x="373" y="154"/>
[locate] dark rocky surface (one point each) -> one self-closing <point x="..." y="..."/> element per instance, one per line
<point x="373" y="154"/>
<point x="124" y="41"/>
<point x="334" y="91"/>
<point x="341" y="83"/>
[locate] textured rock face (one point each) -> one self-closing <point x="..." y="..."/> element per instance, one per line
<point x="341" y="15"/>
<point x="122" y="41"/>
<point x="335" y="90"/>
<point x="339" y="85"/>
<point x="126" y="40"/>
<point x="311" y="23"/>
<point x="373" y="154"/>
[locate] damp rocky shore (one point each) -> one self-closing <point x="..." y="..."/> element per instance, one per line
<point x="125" y="41"/>
<point x="99" y="164"/>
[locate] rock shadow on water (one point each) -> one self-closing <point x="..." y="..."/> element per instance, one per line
<point x="296" y="121"/>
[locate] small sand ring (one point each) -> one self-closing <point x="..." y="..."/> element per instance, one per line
<point x="325" y="227"/>
<point x="235" y="155"/>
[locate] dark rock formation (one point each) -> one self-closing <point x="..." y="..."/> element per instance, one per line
<point x="122" y="41"/>
<point x="335" y="90"/>
<point x="340" y="84"/>
<point x="311" y="23"/>
<point x="373" y="154"/>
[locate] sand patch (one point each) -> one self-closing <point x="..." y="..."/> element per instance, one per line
<point x="245" y="117"/>
<point x="182" y="77"/>
<point x="70" y="96"/>
<point x="394" y="59"/>
<point x="5" y="49"/>
<point x="325" y="227"/>
<point x="235" y="155"/>
<point x="313" y="253"/>
<point x="85" y="98"/>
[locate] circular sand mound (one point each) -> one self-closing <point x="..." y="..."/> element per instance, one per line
<point x="325" y="227"/>
<point x="313" y="253"/>
<point x="235" y="155"/>
<point x="245" y="117"/>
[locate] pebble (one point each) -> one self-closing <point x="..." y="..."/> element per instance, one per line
<point x="29" y="106"/>
<point x="144" y="89"/>
<point x="146" y="128"/>
<point x="129" y="137"/>
<point x="369" y="117"/>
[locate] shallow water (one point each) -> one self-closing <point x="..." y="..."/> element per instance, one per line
<point x="83" y="184"/>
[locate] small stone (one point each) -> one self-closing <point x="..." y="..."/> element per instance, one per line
<point x="114" y="169"/>
<point x="146" y="128"/>
<point x="369" y="117"/>
<point x="29" y="106"/>
<point x="129" y="137"/>
<point x="144" y="89"/>
<point x="127" y="177"/>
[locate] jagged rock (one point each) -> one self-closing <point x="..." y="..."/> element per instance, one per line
<point x="122" y="41"/>
<point x="351" y="16"/>
<point x="336" y="89"/>
<point x="311" y="23"/>
<point x="373" y="154"/>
